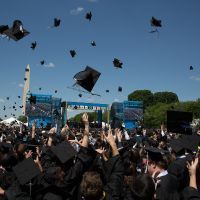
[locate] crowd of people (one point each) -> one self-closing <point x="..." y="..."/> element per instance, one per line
<point x="98" y="164"/>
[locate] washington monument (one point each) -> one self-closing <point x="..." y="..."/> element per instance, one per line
<point x="26" y="87"/>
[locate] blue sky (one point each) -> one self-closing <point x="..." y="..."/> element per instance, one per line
<point x="120" y="29"/>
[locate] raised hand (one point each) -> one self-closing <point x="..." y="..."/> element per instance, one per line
<point x="85" y="118"/>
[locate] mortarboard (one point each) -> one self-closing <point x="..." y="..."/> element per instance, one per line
<point x="72" y="53"/>
<point x="42" y="62"/>
<point x="191" y="68"/>
<point x="16" y="32"/>
<point x="56" y="91"/>
<point x="33" y="45"/>
<point x="88" y="16"/>
<point x="7" y="98"/>
<point x="5" y="115"/>
<point x="107" y="91"/>
<point x="56" y="22"/>
<point x="93" y="43"/>
<point x="155" y="22"/>
<point x="19" y="97"/>
<point x="176" y="145"/>
<point x="80" y="95"/>
<point x="117" y="63"/>
<point x="63" y="151"/>
<point x="119" y="89"/>
<point x="3" y="28"/>
<point x="155" y="154"/>
<point x="40" y="88"/>
<point x="190" y="142"/>
<point x="26" y="170"/>
<point x="87" y="78"/>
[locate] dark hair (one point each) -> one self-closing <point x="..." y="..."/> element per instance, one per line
<point x="143" y="188"/>
<point x="91" y="186"/>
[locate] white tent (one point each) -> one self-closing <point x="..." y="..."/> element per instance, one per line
<point x="11" y="120"/>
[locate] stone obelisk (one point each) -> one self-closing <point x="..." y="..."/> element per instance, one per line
<point x="26" y="87"/>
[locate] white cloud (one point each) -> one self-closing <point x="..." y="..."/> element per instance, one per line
<point x="76" y="11"/>
<point x="49" y="65"/>
<point x="2" y="100"/>
<point x="195" y="78"/>
<point x="21" y="85"/>
<point x="116" y="100"/>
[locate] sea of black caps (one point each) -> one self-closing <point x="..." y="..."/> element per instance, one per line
<point x="51" y="175"/>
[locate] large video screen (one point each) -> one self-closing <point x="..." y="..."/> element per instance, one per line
<point x="133" y="113"/>
<point x="39" y="110"/>
<point x="41" y="107"/>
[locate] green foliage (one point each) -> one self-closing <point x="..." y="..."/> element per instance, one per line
<point x="165" y="97"/>
<point x="190" y="106"/>
<point x="22" y="118"/>
<point x="142" y="95"/>
<point x="155" y="115"/>
<point x="92" y="116"/>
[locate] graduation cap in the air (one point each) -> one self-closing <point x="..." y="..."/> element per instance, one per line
<point x="19" y="97"/>
<point x="117" y="63"/>
<point x="42" y="62"/>
<point x="56" y="91"/>
<point x="156" y="22"/>
<point x="191" y="68"/>
<point x="3" y="28"/>
<point x="40" y="88"/>
<point x="107" y="91"/>
<point x="25" y="79"/>
<point x="80" y="95"/>
<point x="17" y="31"/>
<point x="119" y="89"/>
<point x="33" y="45"/>
<point x="7" y="98"/>
<point x="72" y="53"/>
<point x="63" y="151"/>
<point x="87" y="78"/>
<point x="56" y="22"/>
<point x="5" y="115"/>
<point x="93" y="43"/>
<point x="88" y="16"/>
<point x="26" y="170"/>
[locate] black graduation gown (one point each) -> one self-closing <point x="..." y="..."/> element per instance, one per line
<point x="73" y="176"/>
<point x="114" y="171"/>
<point x="190" y="193"/>
<point x="167" y="188"/>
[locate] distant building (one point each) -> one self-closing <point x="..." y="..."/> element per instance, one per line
<point x="26" y="87"/>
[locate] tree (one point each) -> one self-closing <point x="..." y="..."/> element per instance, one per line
<point x="165" y="97"/>
<point x="92" y="116"/>
<point x="156" y="115"/>
<point x="22" y="118"/>
<point x="142" y="95"/>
